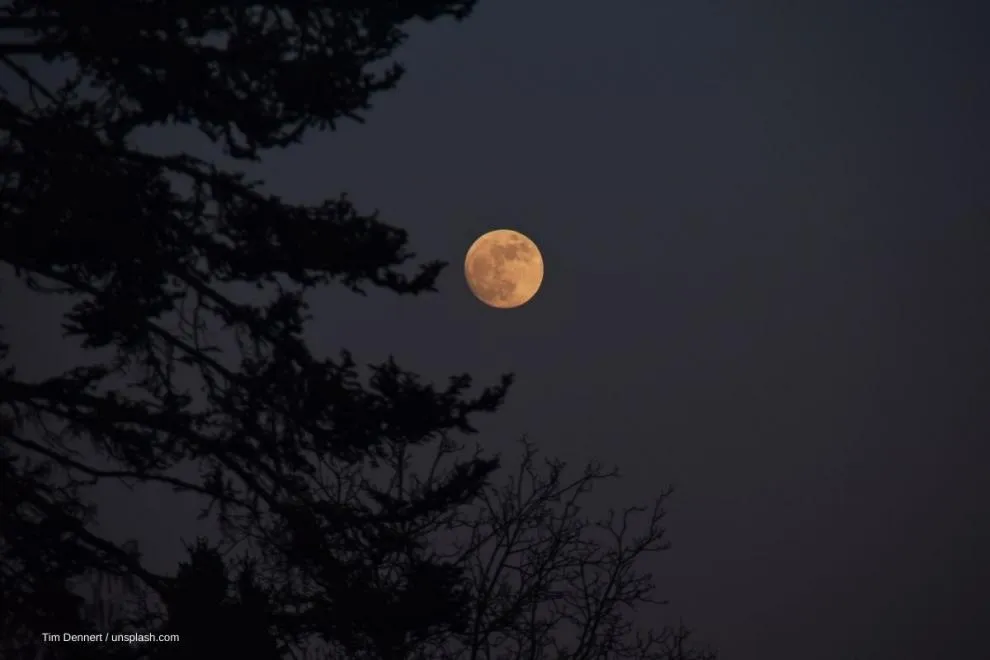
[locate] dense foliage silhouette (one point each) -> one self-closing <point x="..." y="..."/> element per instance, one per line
<point x="356" y="522"/>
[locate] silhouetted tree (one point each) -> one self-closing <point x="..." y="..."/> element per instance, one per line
<point x="149" y="247"/>
<point x="538" y="575"/>
<point x="543" y="577"/>
<point x="551" y="580"/>
<point x="213" y="611"/>
<point x="154" y="251"/>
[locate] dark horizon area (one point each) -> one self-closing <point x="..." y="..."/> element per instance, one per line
<point x="766" y="234"/>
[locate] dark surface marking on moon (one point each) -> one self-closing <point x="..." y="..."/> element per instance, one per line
<point x="517" y="249"/>
<point x="488" y="276"/>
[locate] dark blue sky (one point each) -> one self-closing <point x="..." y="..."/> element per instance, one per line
<point x="766" y="228"/>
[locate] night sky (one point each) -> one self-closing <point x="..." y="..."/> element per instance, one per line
<point x="766" y="228"/>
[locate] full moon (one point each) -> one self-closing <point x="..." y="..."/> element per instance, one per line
<point x="504" y="268"/>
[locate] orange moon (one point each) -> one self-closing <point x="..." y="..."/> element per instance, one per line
<point x="504" y="268"/>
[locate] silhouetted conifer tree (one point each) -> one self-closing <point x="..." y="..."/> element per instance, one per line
<point x="321" y="541"/>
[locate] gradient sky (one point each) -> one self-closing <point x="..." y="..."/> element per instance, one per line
<point x="767" y="234"/>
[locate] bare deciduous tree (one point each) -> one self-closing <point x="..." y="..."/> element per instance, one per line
<point x="547" y="578"/>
